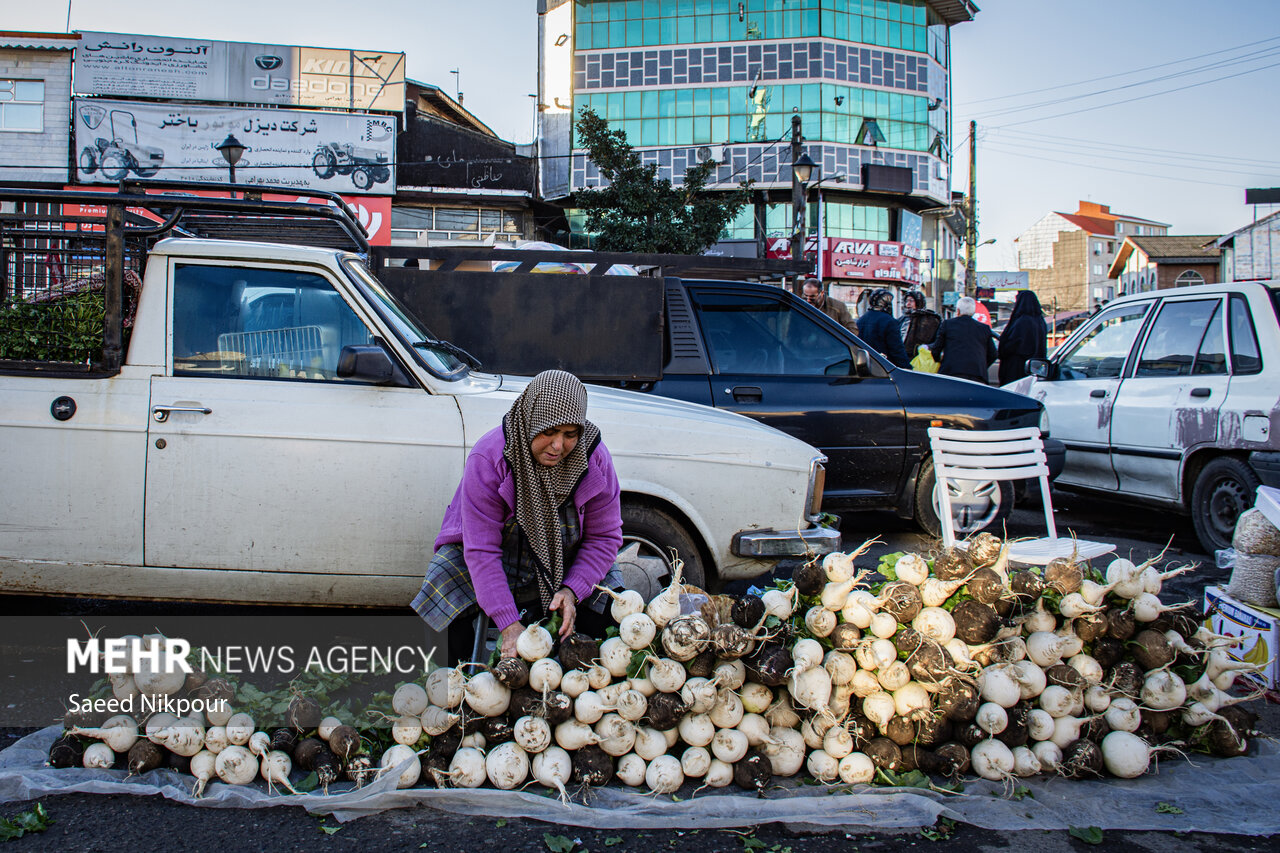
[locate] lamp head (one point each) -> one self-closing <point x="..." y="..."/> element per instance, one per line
<point x="231" y="149"/>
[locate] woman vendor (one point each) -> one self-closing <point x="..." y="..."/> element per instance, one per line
<point x="535" y="523"/>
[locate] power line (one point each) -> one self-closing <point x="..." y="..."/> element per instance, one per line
<point x="1140" y="97"/>
<point x="1142" y="149"/>
<point x="1210" y="67"/>
<point x="1122" y="73"/>
<point x="1014" y="153"/>
<point x="1149" y="160"/>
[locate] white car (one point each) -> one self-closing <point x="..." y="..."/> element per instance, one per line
<point x="1171" y="399"/>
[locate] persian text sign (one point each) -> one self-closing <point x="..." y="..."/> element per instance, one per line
<point x="865" y="260"/>
<point x="206" y="70"/>
<point x="338" y="152"/>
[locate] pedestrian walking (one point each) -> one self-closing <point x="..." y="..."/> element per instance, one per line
<point x="816" y="296"/>
<point x="879" y="328"/>
<point x="964" y="347"/>
<point x="1024" y="337"/>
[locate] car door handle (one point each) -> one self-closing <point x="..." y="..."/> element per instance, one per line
<point x="746" y="393"/>
<point x="161" y="413"/>
<point x="1200" y="392"/>
<point x="1098" y="392"/>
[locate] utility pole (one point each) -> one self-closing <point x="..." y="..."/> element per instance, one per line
<point x="971" y="232"/>
<point x="798" y="211"/>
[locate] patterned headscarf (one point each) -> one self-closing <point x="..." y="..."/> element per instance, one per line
<point x="554" y="398"/>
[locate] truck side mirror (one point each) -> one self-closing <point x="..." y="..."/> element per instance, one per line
<point x="1041" y="368"/>
<point x="370" y="363"/>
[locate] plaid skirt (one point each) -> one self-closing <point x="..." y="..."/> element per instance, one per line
<point x="447" y="592"/>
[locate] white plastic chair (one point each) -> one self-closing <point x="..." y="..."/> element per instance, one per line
<point x="1004" y="455"/>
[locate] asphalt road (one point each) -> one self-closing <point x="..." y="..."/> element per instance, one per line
<point x="95" y="822"/>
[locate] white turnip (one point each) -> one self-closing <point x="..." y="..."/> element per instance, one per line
<point x="507" y="766"/>
<point x="236" y="765"/>
<point x="664" y="775"/>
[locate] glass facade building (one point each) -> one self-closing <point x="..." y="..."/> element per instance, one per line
<point x="691" y="79"/>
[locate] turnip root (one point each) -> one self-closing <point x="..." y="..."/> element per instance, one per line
<point x="236" y="765"/>
<point x="856" y="769"/>
<point x="513" y="673"/>
<point x="446" y="687"/>
<point x="409" y="698"/>
<point x="780" y="603"/>
<point x="99" y="756"/>
<point x="632" y="705"/>
<point x="624" y="603"/>
<point x="553" y="768"/>
<point x="617" y="736"/>
<point x="812" y="689"/>
<point x="1163" y="691"/>
<point x="1125" y="755"/>
<point x="992" y="760"/>
<point x="119" y="733"/>
<point x="935" y="623"/>
<point x="436" y="720"/>
<point x="820" y="621"/>
<point x="637" y="631"/>
<point x="486" y="695"/>
<point x="275" y="769"/>
<point x="534" y="643"/>
<point x="544" y="676"/>
<point x="507" y="766"/>
<point x="631" y="769"/>
<point x="727" y="711"/>
<point x="143" y="756"/>
<point x="592" y="766"/>
<point x="665" y="606"/>
<point x="685" y="637"/>
<point x="664" y="775"/>
<point x="1147" y="607"/>
<point x="203" y="768"/>
<point x="466" y="769"/>
<point x="785" y="752"/>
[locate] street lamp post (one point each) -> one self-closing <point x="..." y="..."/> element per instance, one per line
<point x="231" y="150"/>
<point x="801" y="171"/>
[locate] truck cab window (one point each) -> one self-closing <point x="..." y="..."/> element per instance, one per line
<point x="259" y="323"/>
<point x="751" y="334"/>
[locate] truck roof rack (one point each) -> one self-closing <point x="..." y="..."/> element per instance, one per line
<point x="176" y="209"/>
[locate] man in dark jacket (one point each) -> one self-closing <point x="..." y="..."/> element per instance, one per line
<point x="879" y="329"/>
<point x="964" y="347"/>
<point x="919" y="325"/>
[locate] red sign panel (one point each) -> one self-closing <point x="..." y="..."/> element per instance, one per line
<point x="861" y="260"/>
<point x="374" y="212"/>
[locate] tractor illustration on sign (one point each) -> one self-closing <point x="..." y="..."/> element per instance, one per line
<point x="117" y="156"/>
<point x="366" y="166"/>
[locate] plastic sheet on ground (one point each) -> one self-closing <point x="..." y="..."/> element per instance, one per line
<point x="1236" y="796"/>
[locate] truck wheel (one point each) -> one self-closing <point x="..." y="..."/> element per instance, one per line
<point x="88" y="161"/>
<point x="657" y="533"/>
<point x="362" y="178"/>
<point x="114" y="165"/>
<point x="323" y="164"/>
<point x="1224" y="489"/>
<point x="976" y="506"/>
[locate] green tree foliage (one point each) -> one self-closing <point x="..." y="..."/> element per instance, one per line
<point x="637" y="211"/>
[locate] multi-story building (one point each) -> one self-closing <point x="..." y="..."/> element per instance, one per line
<point x="688" y="80"/>
<point x="1158" y="263"/>
<point x="1069" y="255"/>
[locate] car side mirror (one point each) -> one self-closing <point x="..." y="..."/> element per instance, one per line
<point x="370" y="363"/>
<point x="865" y="365"/>
<point x="1041" y="368"/>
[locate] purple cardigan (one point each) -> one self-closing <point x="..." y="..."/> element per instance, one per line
<point x="485" y="500"/>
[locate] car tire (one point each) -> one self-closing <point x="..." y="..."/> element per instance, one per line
<point x="1224" y="489"/>
<point x="657" y="533"/>
<point x="992" y="519"/>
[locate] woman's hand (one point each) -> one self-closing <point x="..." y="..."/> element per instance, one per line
<point x="509" y="636"/>
<point x="567" y="603"/>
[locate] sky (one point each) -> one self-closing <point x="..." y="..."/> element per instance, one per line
<point x="1112" y="101"/>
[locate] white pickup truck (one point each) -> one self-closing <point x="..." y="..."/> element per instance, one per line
<point x="276" y="428"/>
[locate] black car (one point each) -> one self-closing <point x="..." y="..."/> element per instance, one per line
<point x="770" y="355"/>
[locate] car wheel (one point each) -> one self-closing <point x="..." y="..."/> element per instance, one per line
<point x="114" y="165"/>
<point x="1224" y="489"/>
<point x="976" y="505"/>
<point x="656" y="534"/>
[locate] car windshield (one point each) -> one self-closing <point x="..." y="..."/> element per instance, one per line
<point x="440" y="357"/>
